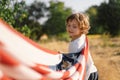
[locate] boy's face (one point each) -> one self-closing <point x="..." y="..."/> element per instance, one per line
<point x="73" y="29"/>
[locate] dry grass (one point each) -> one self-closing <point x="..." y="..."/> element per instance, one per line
<point x="105" y="52"/>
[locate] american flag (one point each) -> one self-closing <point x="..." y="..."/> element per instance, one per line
<point x="23" y="59"/>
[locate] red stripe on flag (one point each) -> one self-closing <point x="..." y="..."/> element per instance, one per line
<point x="1" y="44"/>
<point x="66" y="74"/>
<point x="41" y="70"/>
<point x="79" y="68"/>
<point x="7" y="59"/>
<point x="6" y="78"/>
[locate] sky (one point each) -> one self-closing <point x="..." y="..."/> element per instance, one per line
<point x="76" y="5"/>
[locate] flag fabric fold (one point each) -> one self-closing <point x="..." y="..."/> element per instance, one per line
<point x="23" y="59"/>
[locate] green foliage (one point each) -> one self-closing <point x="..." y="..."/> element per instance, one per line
<point x="109" y="17"/>
<point x="24" y="30"/>
<point x="13" y="13"/>
<point x="23" y="18"/>
<point x="35" y="12"/>
<point x="36" y="30"/>
<point x="63" y="37"/>
<point x="19" y="14"/>
<point x="6" y="12"/>
<point x="95" y="27"/>
<point x="56" y="18"/>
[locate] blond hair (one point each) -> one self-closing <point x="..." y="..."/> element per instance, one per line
<point x="82" y="19"/>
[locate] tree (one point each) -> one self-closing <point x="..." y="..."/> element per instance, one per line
<point x="95" y="27"/>
<point x="109" y="16"/>
<point x="22" y="17"/>
<point x="56" y="18"/>
<point x="13" y="13"/>
<point x="10" y="9"/>
<point x="35" y="11"/>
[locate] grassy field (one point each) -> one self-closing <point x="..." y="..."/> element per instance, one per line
<point x="104" y="50"/>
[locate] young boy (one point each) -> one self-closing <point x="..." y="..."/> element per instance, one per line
<point x="77" y="26"/>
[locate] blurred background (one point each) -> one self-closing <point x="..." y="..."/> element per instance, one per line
<point x="44" y="22"/>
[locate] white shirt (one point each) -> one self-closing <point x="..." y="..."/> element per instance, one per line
<point x="76" y="46"/>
